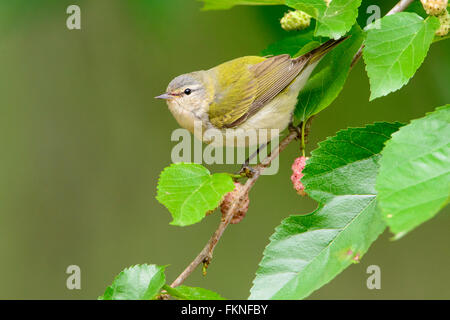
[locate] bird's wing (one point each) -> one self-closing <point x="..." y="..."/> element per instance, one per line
<point x="235" y="91"/>
<point x="253" y="82"/>
<point x="277" y="73"/>
<point x="273" y="76"/>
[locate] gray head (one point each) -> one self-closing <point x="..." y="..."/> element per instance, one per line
<point x="186" y="90"/>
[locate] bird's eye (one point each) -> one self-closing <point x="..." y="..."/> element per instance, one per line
<point x="187" y="91"/>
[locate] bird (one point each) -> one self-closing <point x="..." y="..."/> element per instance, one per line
<point x="244" y="97"/>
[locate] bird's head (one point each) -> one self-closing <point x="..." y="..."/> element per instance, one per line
<point x="188" y="91"/>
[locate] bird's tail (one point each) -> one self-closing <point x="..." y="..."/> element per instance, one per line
<point x="316" y="54"/>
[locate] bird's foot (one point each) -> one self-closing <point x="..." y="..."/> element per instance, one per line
<point x="297" y="129"/>
<point x="247" y="171"/>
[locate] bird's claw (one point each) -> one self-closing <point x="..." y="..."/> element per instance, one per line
<point x="247" y="171"/>
<point x="297" y="129"/>
<point x="293" y="128"/>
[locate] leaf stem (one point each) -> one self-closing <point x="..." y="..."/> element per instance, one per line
<point x="303" y="137"/>
<point x="235" y="176"/>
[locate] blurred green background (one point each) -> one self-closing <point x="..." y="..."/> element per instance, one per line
<point x="83" y="141"/>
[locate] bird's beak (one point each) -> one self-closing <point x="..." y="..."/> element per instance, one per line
<point x="164" y="96"/>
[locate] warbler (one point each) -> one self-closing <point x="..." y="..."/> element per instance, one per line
<point x="243" y="96"/>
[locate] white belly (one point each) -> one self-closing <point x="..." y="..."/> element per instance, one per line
<point x="270" y="121"/>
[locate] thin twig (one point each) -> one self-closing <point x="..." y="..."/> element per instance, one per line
<point x="205" y="256"/>
<point x="400" y="6"/>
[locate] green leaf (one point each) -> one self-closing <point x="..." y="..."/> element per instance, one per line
<point x="414" y="179"/>
<point x="328" y="78"/>
<point x="227" y="4"/>
<point x="192" y="293"/>
<point x="396" y="50"/>
<point x="141" y="282"/>
<point x="290" y="45"/>
<point x="307" y="251"/>
<point x="308" y="47"/>
<point x="334" y="20"/>
<point x="189" y="191"/>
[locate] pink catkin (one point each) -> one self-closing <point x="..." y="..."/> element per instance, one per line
<point x="297" y="168"/>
